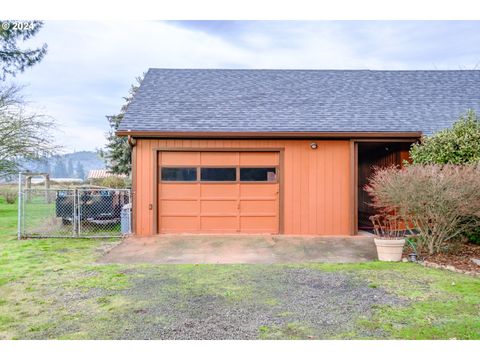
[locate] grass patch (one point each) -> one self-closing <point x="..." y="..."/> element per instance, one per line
<point x="37" y="275"/>
<point x="228" y="282"/>
<point x="107" y="277"/>
<point x="443" y="304"/>
<point x="428" y="320"/>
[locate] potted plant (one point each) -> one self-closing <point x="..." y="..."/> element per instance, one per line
<point x="389" y="238"/>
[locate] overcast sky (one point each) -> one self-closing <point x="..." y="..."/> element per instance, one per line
<point x="90" y="65"/>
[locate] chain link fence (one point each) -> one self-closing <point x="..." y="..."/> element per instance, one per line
<point x="79" y="212"/>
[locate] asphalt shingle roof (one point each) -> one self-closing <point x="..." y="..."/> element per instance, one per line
<point x="201" y="100"/>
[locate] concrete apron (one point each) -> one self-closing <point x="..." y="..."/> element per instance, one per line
<point x="241" y="249"/>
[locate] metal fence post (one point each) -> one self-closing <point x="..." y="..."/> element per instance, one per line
<point x="75" y="221"/>
<point x="79" y="212"/>
<point x="19" y="205"/>
<point x="131" y="209"/>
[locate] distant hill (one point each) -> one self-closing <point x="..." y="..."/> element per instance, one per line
<point x="76" y="164"/>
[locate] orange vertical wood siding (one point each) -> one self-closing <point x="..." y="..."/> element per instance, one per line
<point x="315" y="187"/>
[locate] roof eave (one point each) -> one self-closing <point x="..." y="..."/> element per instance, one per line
<point x="268" y="135"/>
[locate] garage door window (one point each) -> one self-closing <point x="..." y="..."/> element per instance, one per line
<point x="258" y="174"/>
<point x="179" y="174"/>
<point x="218" y="174"/>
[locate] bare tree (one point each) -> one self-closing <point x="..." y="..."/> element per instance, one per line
<point x="23" y="135"/>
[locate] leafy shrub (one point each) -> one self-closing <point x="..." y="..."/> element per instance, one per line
<point x="473" y="235"/>
<point x="114" y="182"/>
<point x="10" y="196"/>
<point x="458" y="145"/>
<point x="441" y="202"/>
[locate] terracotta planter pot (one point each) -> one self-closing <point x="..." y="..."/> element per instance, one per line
<point x="389" y="249"/>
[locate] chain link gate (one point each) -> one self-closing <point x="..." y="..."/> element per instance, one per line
<point x="78" y="212"/>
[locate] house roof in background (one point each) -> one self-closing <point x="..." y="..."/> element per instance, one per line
<point x="324" y="101"/>
<point x="101" y="174"/>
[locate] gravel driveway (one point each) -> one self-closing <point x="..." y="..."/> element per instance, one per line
<point x="282" y="302"/>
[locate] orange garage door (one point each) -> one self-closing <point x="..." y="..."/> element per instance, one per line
<point x="218" y="192"/>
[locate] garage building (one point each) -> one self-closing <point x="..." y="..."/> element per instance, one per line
<point x="277" y="151"/>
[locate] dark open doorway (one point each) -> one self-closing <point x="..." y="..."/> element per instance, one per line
<point x="371" y="155"/>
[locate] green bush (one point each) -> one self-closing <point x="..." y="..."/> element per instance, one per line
<point x="459" y="144"/>
<point x="114" y="182"/>
<point x="10" y="196"/>
<point x="473" y="236"/>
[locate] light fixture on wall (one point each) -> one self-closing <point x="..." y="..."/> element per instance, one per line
<point x="313" y="146"/>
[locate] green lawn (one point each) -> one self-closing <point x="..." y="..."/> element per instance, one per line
<point x="53" y="288"/>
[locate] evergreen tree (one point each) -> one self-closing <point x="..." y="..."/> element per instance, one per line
<point x="13" y="59"/>
<point x="118" y="154"/>
<point x="60" y="170"/>
<point x="80" y="171"/>
<point x="70" y="170"/>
